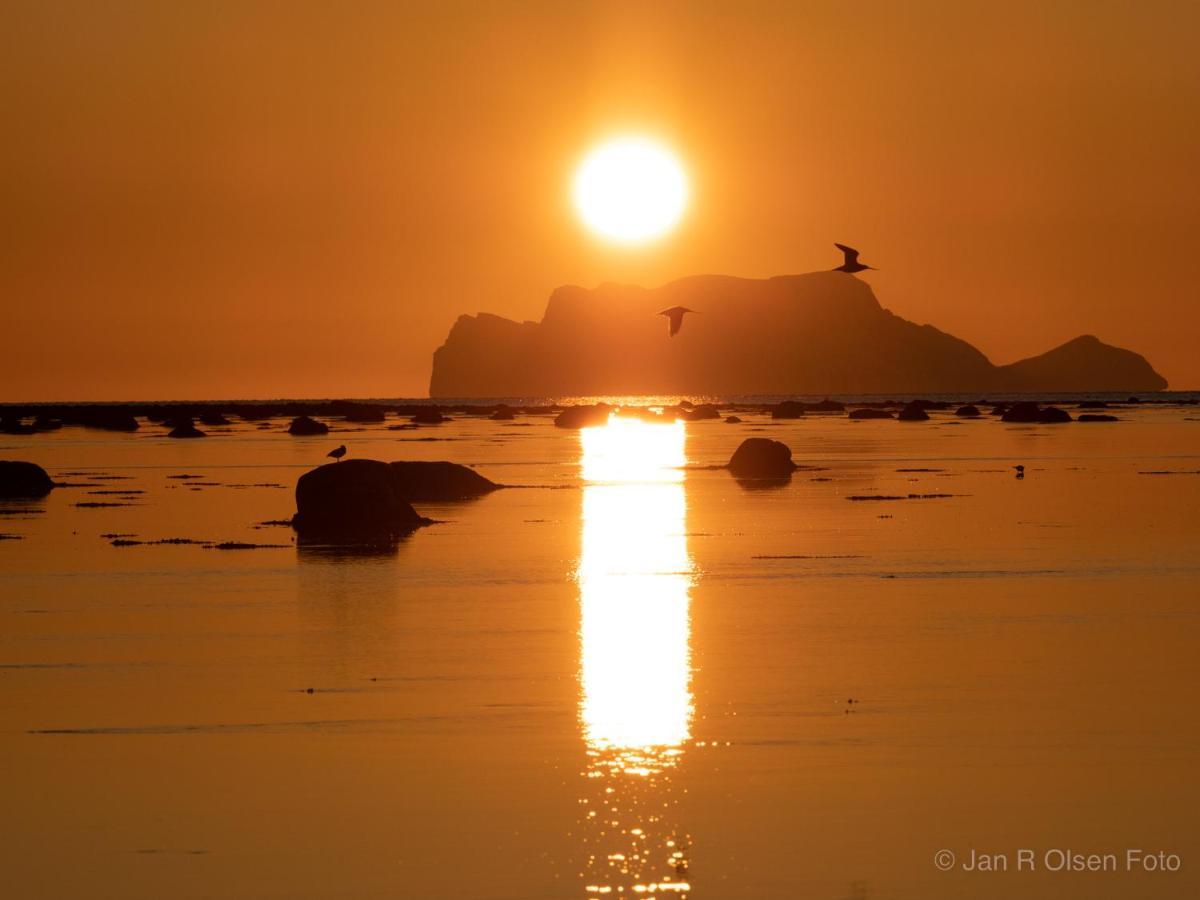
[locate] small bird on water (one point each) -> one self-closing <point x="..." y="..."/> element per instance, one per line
<point x="675" y="318"/>
<point x="851" y="264"/>
<point x="337" y="453"/>
<point x="1020" y="471"/>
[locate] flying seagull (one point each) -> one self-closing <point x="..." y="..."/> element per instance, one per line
<point x="851" y="264"/>
<point x="337" y="453"/>
<point x="675" y="318"/>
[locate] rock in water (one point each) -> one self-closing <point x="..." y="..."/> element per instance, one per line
<point x="762" y="458"/>
<point x="788" y="409"/>
<point x="431" y="416"/>
<point x="869" y="413"/>
<point x="970" y="411"/>
<point x="827" y="405"/>
<point x="733" y="420"/>
<point x="913" y="412"/>
<point x="1052" y="415"/>
<point x="303" y="426"/>
<point x="351" y="500"/>
<point x="213" y="418"/>
<point x="503" y="414"/>
<point x="1024" y="412"/>
<point x="23" y="479"/>
<point x="584" y="416"/>
<point x="439" y="481"/>
<point x="699" y="413"/>
<point x="185" y="428"/>
<point x="1096" y="417"/>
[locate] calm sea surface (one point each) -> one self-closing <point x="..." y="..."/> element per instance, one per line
<point x="626" y="675"/>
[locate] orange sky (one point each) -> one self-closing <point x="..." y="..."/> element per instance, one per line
<point x="298" y="199"/>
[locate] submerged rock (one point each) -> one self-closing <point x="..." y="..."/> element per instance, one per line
<point x="355" y="499"/>
<point x="431" y="416"/>
<point x="788" y="409"/>
<point x="1052" y="415"/>
<point x="23" y="479"/>
<point x="439" y="481"/>
<point x="699" y="413"/>
<point x="913" y="412"/>
<point x="1096" y="417"/>
<point x="304" y="425"/>
<point x="185" y="428"/>
<point x="733" y="420"/>
<point x="584" y="416"/>
<point x="762" y="458"/>
<point x="869" y="413"/>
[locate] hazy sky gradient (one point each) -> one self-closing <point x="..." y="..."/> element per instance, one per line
<point x="298" y="199"/>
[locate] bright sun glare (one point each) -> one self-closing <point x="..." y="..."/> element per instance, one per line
<point x="630" y="190"/>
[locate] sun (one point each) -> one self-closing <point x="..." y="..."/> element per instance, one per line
<point x="630" y="190"/>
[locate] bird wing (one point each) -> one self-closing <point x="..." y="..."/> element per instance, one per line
<point x="851" y="253"/>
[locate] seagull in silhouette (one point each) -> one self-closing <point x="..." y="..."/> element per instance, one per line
<point x="337" y="453"/>
<point x="675" y="318"/>
<point x="851" y="264"/>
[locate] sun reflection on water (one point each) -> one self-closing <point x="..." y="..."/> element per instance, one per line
<point x="635" y="673"/>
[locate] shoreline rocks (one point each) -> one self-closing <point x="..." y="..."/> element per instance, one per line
<point x="23" y="479"/>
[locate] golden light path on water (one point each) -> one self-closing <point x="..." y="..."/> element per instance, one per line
<point x="635" y="672"/>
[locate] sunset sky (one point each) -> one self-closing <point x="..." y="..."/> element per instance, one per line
<point x="248" y="200"/>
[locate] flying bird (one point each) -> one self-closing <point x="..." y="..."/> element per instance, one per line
<point x="851" y="264"/>
<point x="337" y="453"/>
<point x="675" y="318"/>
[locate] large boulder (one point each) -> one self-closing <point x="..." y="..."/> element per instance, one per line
<point x="584" y="416"/>
<point x="913" y="412"/>
<point x="303" y="426"/>
<point x="417" y="481"/>
<point x="762" y="458"/>
<point x="430" y="416"/>
<point x="358" y="498"/>
<point x="970" y="411"/>
<point x="23" y="479"/>
<point x="1052" y="415"/>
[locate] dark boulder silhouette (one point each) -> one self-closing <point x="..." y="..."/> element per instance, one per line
<point x="788" y="409"/>
<point x="23" y="479"/>
<point x="184" y="428"/>
<point x="433" y="481"/>
<point x="820" y="333"/>
<point x="1096" y="417"/>
<point x="303" y="426"/>
<point x="699" y="413"/>
<point x="47" y="423"/>
<point x="1028" y="412"/>
<point x="733" y="420"/>
<point x="761" y="458"/>
<point x="213" y="418"/>
<point x="969" y="411"/>
<point x="503" y="414"/>
<point x="869" y="413"/>
<point x="109" y="420"/>
<point x="584" y="416"/>
<point x="1052" y="415"/>
<point x="913" y="412"/>
<point x="355" y="499"/>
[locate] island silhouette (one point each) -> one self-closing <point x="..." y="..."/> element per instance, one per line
<point x="816" y="333"/>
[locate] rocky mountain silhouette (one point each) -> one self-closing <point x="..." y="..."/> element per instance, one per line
<point x="819" y="333"/>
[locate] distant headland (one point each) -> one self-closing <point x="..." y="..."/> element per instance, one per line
<point x="818" y="333"/>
